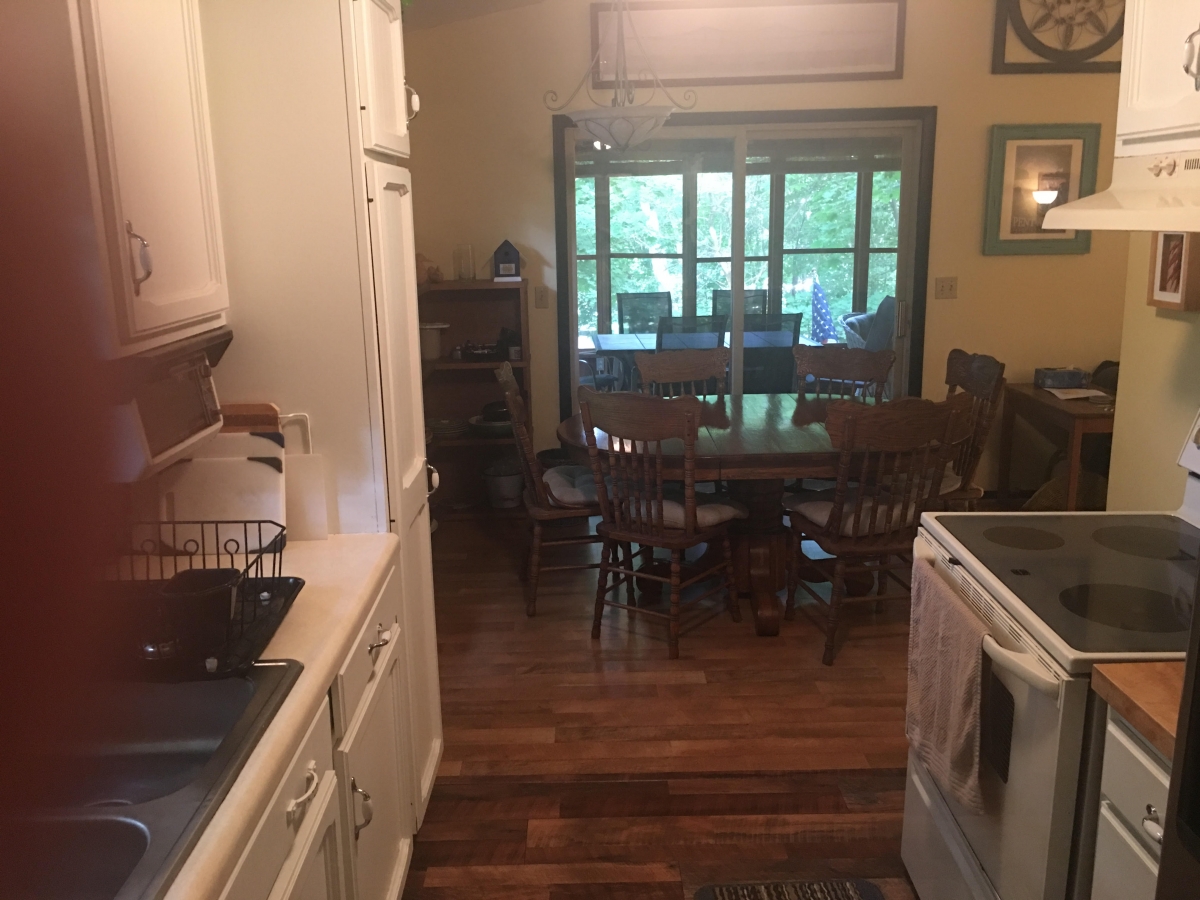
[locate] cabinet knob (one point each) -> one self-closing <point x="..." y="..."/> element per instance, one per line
<point x="368" y="810"/>
<point x="1191" y="56"/>
<point x="435" y="480"/>
<point x="295" y="808"/>
<point x="414" y="102"/>
<point x="1151" y="824"/>
<point x="382" y="639"/>
<point x="143" y="257"/>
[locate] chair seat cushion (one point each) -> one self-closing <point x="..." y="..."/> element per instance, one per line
<point x="711" y="509"/>
<point x="570" y="486"/>
<point x="818" y="507"/>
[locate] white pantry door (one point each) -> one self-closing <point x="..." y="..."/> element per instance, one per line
<point x="393" y="253"/>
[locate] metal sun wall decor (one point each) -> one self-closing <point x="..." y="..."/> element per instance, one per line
<point x="1033" y="36"/>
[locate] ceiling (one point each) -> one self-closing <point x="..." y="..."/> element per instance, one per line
<point x="431" y="13"/>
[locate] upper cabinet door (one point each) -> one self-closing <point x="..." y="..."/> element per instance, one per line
<point x="379" y="42"/>
<point x="154" y="166"/>
<point x="1160" y="100"/>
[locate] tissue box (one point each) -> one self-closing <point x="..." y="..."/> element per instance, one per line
<point x="1060" y="378"/>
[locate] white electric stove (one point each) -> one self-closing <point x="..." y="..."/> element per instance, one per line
<point x="1060" y="592"/>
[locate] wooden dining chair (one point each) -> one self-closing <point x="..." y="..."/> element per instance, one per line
<point x="638" y="313"/>
<point x="982" y="377"/>
<point x="553" y="497"/>
<point x="892" y="459"/>
<point x="675" y="373"/>
<point x="638" y="506"/>
<point x="842" y="373"/>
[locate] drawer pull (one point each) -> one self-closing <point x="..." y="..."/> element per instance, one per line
<point x="383" y="639"/>
<point x="367" y="808"/>
<point x="295" y="809"/>
<point x="1151" y="825"/>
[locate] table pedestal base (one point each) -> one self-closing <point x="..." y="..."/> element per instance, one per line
<point x="760" y="551"/>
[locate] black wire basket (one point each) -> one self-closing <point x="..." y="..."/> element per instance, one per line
<point x="203" y="598"/>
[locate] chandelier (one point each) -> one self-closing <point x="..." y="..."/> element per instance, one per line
<point x="623" y="122"/>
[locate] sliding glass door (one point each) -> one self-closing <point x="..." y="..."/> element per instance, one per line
<point x="824" y="242"/>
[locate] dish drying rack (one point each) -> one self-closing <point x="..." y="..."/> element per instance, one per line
<point x="207" y="596"/>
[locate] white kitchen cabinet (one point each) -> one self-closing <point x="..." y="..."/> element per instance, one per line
<point x="1159" y="106"/>
<point x="316" y="868"/>
<point x="374" y="766"/>
<point x="1133" y="799"/>
<point x="142" y="83"/>
<point x="383" y="101"/>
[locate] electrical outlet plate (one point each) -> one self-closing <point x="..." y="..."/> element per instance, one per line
<point x="945" y="288"/>
<point x="541" y="297"/>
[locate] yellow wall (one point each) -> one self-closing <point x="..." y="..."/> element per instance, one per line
<point x="1158" y="396"/>
<point x="482" y="164"/>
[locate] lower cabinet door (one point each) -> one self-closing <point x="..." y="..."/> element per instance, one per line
<point x="1124" y="870"/>
<point x="374" y="776"/>
<point x="316" y="868"/>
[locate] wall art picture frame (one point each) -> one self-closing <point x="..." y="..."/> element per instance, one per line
<point x="1031" y="170"/>
<point x="1174" y="271"/>
<point x="1039" y="36"/>
<point x="692" y="43"/>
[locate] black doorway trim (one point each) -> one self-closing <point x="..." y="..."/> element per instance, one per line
<point x="926" y="115"/>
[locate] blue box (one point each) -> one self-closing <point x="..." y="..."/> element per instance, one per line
<point x="1060" y="378"/>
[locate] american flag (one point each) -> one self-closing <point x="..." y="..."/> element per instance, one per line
<point x="823" y="327"/>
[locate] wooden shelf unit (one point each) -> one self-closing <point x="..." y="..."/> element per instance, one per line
<point x="455" y="389"/>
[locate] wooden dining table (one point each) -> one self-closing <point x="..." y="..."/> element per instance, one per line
<point x="753" y="443"/>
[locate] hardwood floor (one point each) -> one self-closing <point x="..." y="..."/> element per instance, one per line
<point x="576" y="769"/>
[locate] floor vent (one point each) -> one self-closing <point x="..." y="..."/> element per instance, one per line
<point x="1189" y="164"/>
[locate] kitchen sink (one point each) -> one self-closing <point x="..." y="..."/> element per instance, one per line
<point x="84" y="859"/>
<point x="148" y="740"/>
<point x="157" y="760"/>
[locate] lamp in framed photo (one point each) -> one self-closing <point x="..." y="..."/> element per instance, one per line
<point x="1031" y="170"/>
<point x="1175" y="271"/>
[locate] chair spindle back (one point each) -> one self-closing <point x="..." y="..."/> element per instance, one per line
<point x="675" y="373"/>
<point x="629" y="469"/>
<point x="896" y="455"/>
<point x="982" y="377"/>
<point x="843" y="373"/>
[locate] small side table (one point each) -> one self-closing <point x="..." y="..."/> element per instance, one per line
<point x="1049" y="414"/>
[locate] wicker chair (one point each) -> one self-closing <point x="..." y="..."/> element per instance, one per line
<point x="639" y="508"/>
<point x="892" y="461"/>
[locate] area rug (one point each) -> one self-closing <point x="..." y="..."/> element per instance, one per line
<point x="792" y="890"/>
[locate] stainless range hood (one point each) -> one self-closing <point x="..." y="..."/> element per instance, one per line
<point x="1148" y="193"/>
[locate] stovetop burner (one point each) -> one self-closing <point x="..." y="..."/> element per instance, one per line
<point x="1124" y="606"/>
<point x="1138" y="540"/>
<point x="1020" y="537"/>
<point x="1104" y="582"/>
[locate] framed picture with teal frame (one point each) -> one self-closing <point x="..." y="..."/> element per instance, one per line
<point x="1031" y="170"/>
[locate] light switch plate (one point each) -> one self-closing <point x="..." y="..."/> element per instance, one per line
<point x="541" y="297"/>
<point x="945" y="288"/>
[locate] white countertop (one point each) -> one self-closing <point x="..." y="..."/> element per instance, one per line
<point x="340" y="576"/>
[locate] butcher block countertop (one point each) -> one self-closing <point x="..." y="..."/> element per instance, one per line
<point x="1147" y="695"/>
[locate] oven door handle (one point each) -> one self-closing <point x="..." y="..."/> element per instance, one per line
<point x="1022" y="665"/>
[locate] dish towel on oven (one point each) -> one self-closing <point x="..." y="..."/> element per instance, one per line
<point x="945" y="668"/>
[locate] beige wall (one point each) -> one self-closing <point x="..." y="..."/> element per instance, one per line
<point x="482" y="164"/>
<point x="1158" y="397"/>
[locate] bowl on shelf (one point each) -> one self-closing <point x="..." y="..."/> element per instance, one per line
<point x="448" y="428"/>
<point x="480" y="427"/>
<point x="496" y="411"/>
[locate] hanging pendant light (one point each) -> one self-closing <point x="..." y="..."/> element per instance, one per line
<point x="623" y="122"/>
